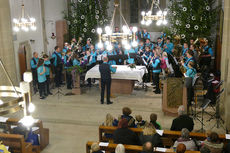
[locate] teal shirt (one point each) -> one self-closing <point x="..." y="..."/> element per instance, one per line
<point x="170" y="48"/>
<point x="76" y="62"/>
<point x="130" y="60"/>
<point x="191" y="72"/>
<point x="113" y="70"/>
<point x="41" y="78"/>
<point x="32" y="64"/>
<point x="47" y="66"/>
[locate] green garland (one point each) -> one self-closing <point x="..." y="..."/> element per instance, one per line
<point x="85" y="16"/>
<point x="191" y="18"/>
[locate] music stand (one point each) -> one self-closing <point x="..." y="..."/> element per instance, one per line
<point x="204" y="105"/>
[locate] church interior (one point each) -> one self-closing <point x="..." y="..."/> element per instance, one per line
<point x="114" y="76"/>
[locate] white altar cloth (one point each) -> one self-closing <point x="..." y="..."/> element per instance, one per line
<point x="123" y="72"/>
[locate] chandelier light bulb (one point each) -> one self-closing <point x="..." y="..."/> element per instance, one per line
<point x="109" y="47"/>
<point x="16" y="29"/>
<point x="165" y="22"/>
<point x="108" y="30"/>
<point x="31" y="108"/>
<point x="100" y="45"/>
<point x="34" y="28"/>
<point x="127" y="46"/>
<point x="149" y="13"/>
<point x="134" y="43"/>
<point x="134" y="29"/>
<point x="99" y="31"/>
<point x="107" y="43"/>
<point x="143" y="13"/>
<point x="143" y="22"/>
<point x="165" y="13"/>
<point x="159" y="22"/>
<point x="27" y="121"/>
<point x="24" y="20"/>
<point x="32" y="20"/>
<point x="15" y="20"/>
<point x="159" y="13"/>
<point x="124" y="42"/>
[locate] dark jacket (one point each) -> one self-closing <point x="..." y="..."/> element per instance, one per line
<point x="99" y="151"/>
<point x="130" y="119"/>
<point x="125" y="136"/>
<point x="105" y="71"/>
<point x="155" y="139"/>
<point x="183" y="121"/>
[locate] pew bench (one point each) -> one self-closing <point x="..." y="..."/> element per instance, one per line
<point x="128" y="148"/>
<point x="16" y="143"/>
<point x="167" y="138"/>
<point x="43" y="132"/>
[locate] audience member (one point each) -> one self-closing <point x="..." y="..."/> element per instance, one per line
<point x="120" y="148"/>
<point x="204" y="150"/>
<point x="95" y="148"/>
<point x="140" y="123"/>
<point x="124" y="135"/>
<point x="147" y="148"/>
<point x="182" y="121"/>
<point x="227" y="148"/>
<point x="153" y="120"/>
<point x="214" y="144"/>
<point x="126" y="114"/>
<point x="181" y="148"/>
<point x="110" y="121"/>
<point x="189" y="143"/>
<point x="149" y="134"/>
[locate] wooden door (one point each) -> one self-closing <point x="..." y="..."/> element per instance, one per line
<point x="22" y="60"/>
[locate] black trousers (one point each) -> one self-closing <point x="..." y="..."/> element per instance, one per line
<point x="68" y="80"/>
<point x="47" y="84"/>
<point x="35" y="79"/>
<point x="58" y="75"/>
<point x="156" y="80"/>
<point x="106" y="83"/>
<point x="42" y="89"/>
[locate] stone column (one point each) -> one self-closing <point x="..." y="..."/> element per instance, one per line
<point x="6" y="44"/>
<point x="225" y="64"/>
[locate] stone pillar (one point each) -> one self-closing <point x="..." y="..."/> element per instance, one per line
<point x="6" y="44"/>
<point x="225" y="65"/>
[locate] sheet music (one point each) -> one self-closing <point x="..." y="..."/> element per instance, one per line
<point x="161" y="149"/>
<point x="103" y="144"/>
<point x="3" y="119"/>
<point x="227" y="136"/>
<point x="160" y="132"/>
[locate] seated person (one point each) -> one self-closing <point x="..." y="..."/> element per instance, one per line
<point x="181" y="148"/>
<point x="126" y="114"/>
<point x="124" y="135"/>
<point x="213" y="143"/>
<point x="153" y="121"/>
<point x="182" y="121"/>
<point x="120" y="148"/>
<point x="149" y="134"/>
<point x="95" y="148"/>
<point x="147" y="148"/>
<point x="205" y="149"/>
<point x="110" y="121"/>
<point x="227" y="148"/>
<point x="188" y="142"/>
<point x="140" y="123"/>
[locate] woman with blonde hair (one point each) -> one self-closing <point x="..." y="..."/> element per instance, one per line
<point x="110" y="121"/>
<point x="149" y="134"/>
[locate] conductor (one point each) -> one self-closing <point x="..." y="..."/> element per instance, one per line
<point x="105" y="71"/>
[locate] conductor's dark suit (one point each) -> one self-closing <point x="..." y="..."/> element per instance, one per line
<point x="105" y="71"/>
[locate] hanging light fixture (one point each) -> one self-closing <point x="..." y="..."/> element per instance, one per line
<point x="160" y="17"/>
<point x="24" y="23"/>
<point x="127" y="37"/>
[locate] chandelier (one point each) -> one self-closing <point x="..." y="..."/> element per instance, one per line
<point x="24" y="23"/>
<point x="126" y="38"/>
<point x="160" y="17"/>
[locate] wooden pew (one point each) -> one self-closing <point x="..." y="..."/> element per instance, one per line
<point x="168" y="137"/>
<point x="128" y="148"/>
<point x="16" y="143"/>
<point x="43" y="132"/>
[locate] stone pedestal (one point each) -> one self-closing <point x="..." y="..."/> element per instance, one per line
<point x="76" y="85"/>
<point x="174" y="95"/>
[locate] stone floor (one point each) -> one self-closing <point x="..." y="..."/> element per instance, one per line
<point x="74" y="120"/>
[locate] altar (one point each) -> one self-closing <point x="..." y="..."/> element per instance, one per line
<point x="124" y="78"/>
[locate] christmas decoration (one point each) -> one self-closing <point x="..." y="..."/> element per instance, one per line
<point x="194" y="18"/>
<point x="83" y="17"/>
